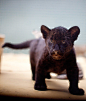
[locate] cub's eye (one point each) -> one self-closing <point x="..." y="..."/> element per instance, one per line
<point x="63" y="42"/>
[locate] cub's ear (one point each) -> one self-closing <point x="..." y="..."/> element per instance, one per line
<point x="74" y="31"/>
<point x="45" y="31"/>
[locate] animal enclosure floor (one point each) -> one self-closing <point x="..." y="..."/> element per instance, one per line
<point x="15" y="81"/>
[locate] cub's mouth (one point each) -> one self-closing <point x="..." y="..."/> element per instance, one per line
<point x="57" y="57"/>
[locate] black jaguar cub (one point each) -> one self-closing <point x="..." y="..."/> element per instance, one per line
<point x="54" y="53"/>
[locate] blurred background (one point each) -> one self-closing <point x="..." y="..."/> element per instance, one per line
<point x="19" y="18"/>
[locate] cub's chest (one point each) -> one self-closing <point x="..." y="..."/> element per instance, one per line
<point x="56" y="66"/>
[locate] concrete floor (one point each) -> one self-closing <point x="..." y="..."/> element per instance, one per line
<point x="15" y="81"/>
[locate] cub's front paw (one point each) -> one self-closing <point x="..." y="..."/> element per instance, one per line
<point x="40" y="86"/>
<point x="76" y="91"/>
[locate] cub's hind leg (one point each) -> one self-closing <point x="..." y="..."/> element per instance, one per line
<point x="33" y="72"/>
<point x="48" y="75"/>
<point x="32" y="68"/>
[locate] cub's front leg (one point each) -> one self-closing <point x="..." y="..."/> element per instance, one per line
<point x="40" y="77"/>
<point x="72" y="74"/>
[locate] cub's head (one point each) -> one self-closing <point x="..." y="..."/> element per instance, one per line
<point x="59" y="41"/>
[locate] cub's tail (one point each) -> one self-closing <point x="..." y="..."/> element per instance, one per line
<point x="23" y="45"/>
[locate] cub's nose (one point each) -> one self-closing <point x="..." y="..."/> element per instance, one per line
<point x="55" y="52"/>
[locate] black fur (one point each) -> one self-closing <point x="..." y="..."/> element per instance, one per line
<point x="54" y="53"/>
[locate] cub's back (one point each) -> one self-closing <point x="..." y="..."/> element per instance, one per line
<point x="37" y="47"/>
